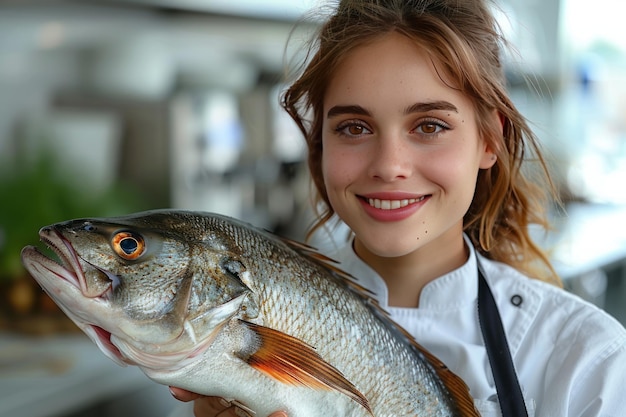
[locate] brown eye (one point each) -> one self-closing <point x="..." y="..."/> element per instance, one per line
<point x="356" y="130"/>
<point x="429" y="128"/>
<point x="127" y="245"/>
<point x="352" y="129"/>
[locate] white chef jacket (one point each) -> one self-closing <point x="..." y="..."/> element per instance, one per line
<point x="570" y="356"/>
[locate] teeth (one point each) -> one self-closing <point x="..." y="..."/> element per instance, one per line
<point x="392" y="204"/>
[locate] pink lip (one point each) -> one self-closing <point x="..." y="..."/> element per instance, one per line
<point x="394" y="214"/>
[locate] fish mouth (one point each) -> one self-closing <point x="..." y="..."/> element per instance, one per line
<point x="70" y="268"/>
<point x="71" y="279"/>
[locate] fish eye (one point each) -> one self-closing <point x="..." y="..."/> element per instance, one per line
<point x="128" y="245"/>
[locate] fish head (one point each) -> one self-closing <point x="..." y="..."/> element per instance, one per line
<point x="151" y="289"/>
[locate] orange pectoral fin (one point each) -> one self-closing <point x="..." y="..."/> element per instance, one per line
<point x="291" y="361"/>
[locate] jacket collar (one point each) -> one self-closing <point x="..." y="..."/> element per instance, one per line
<point x="456" y="288"/>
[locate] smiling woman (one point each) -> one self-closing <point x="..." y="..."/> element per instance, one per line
<point x="470" y="67"/>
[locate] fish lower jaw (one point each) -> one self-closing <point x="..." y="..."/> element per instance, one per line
<point x="102" y="338"/>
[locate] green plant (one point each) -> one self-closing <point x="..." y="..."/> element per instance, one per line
<point x="36" y="194"/>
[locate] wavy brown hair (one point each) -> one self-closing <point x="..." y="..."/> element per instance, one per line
<point x="463" y="40"/>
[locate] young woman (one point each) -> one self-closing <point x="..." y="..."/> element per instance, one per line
<point x="415" y="145"/>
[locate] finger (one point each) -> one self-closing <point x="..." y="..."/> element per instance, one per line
<point x="216" y="407"/>
<point x="232" y="411"/>
<point x="183" y="395"/>
<point x="205" y="406"/>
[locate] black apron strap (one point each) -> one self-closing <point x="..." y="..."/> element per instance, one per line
<point x="509" y="392"/>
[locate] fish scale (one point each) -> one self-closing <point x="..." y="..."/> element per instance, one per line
<point x="213" y="305"/>
<point x="334" y="315"/>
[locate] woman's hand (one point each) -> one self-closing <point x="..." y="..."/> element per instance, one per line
<point x="204" y="406"/>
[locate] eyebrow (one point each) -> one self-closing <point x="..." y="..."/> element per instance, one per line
<point x="413" y="108"/>
<point x="339" y="110"/>
<point x="430" y="106"/>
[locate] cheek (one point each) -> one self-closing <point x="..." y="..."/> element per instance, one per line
<point x="452" y="170"/>
<point x="338" y="168"/>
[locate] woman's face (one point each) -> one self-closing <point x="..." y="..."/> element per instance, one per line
<point x="401" y="149"/>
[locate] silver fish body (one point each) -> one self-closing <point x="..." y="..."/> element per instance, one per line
<point x="216" y="306"/>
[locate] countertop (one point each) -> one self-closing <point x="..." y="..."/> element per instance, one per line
<point x="54" y="376"/>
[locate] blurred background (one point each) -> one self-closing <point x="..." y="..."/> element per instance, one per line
<point x="114" y="106"/>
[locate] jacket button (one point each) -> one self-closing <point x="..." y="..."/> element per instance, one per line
<point x="517" y="300"/>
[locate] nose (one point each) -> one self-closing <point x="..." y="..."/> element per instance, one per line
<point x="391" y="160"/>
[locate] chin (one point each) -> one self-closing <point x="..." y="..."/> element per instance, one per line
<point x="392" y="248"/>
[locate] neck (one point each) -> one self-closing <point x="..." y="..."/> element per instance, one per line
<point x="406" y="276"/>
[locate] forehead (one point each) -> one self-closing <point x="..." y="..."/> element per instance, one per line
<point x="392" y="65"/>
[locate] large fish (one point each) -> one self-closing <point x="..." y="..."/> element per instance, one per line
<point x="216" y="306"/>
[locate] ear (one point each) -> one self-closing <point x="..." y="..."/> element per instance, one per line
<point x="489" y="156"/>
